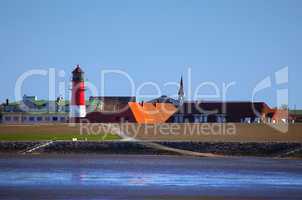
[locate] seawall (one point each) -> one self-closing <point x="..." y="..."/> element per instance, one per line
<point x="272" y="149"/>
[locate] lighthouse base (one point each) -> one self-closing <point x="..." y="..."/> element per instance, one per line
<point x="77" y="111"/>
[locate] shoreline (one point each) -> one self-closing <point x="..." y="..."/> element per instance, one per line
<point x="220" y="149"/>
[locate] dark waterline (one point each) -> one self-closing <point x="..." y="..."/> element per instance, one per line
<point x="148" y="177"/>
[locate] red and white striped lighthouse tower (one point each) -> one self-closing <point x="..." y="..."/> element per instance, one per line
<point x="77" y="106"/>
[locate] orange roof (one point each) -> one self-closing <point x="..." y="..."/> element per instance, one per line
<point x="150" y="113"/>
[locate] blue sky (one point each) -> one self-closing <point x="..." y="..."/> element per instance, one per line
<point x="156" y="40"/>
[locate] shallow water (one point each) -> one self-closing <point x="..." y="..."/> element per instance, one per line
<point x="148" y="177"/>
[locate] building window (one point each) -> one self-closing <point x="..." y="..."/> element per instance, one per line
<point x="39" y="118"/>
<point x="247" y="120"/>
<point x="205" y="118"/>
<point x="46" y="118"/>
<point x="257" y="120"/>
<point x="54" y="118"/>
<point x="16" y="118"/>
<point x="179" y="119"/>
<point x="62" y="119"/>
<point x="24" y="118"/>
<point x="31" y="118"/>
<point x="284" y="120"/>
<point x="7" y="118"/>
<point x="220" y="119"/>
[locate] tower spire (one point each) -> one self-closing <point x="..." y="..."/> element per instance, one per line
<point x="181" y="92"/>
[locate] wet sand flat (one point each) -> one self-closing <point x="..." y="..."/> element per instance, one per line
<point x="86" y="176"/>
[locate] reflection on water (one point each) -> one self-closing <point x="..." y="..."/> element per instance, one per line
<point x="110" y="178"/>
<point x="151" y="173"/>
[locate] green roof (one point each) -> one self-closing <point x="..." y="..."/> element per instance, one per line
<point x="297" y="112"/>
<point x="40" y="103"/>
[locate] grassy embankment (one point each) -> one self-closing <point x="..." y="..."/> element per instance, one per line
<point x="160" y="132"/>
<point x="49" y="132"/>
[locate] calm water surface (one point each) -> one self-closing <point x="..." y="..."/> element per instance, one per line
<point x="148" y="177"/>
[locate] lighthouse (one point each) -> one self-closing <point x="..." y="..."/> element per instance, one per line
<point x="77" y="106"/>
